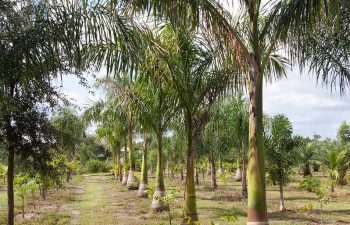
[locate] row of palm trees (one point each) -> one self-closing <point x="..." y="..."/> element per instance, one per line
<point x="174" y="58"/>
<point x="246" y="50"/>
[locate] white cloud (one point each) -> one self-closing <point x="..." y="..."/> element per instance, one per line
<point x="310" y="107"/>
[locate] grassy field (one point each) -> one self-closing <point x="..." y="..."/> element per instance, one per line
<point x="99" y="199"/>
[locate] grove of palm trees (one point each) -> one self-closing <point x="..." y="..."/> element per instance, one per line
<point x="177" y="131"/>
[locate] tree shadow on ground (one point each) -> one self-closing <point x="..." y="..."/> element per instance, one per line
<point x="291" y="215"/>
<point x="292" y="198"/>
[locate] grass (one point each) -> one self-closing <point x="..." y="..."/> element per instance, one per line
<point x="99" y="199"/>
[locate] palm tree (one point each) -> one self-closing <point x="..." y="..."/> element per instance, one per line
<point x="280" y="152"/>
<point x="113" y="127"/>
<point x="197" y="76"/>
<point x="254" y="47"/>
<point x="267" y="28"/>
<point x="110" y="136"/>
<point x="335" y="164"/>
<point x="153" y="104"/>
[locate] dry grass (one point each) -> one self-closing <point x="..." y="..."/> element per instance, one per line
<point x="99" y="199"/>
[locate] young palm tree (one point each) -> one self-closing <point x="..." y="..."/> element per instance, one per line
<point x="280" y="152"/>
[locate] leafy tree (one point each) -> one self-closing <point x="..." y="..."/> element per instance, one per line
<point x="36" y="45"/>
<point x="343" y="134"/>
<point x="280" y="152"/>
<point x="71" y="131"/>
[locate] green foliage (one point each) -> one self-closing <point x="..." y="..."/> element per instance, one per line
<point x="229" y="215"/>
<point x="306" y="207"/>
<point x="96" y="166"/>
<point x="151" y="189"/>
<point x="224" y="176"/>
<point x="280" y="152"/>
<point x="3" y="172"/>
<point x="335" y="164"/>
<point x="33" y="188"/>
<point x="321" y="189"/>
<point x="310" y="183"/>
<point x="24" y="185"/>
<point x="52" y="218"/>
<point x="168" y="199"/>
<point x="90" y="149"/>
<point x="70" y="126"/>
<point x="343" y="134"/>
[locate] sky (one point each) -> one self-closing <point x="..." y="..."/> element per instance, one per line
<point x="312" y="108"/>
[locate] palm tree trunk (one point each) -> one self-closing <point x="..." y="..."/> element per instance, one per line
<point x="182" y="171"/>
<point x="197" y="176"/>
<point x="10" y="193"/>
<point x="160" y="189"/>
<point x="208" y="166"/>
<point x="306" y="170"/>
<point x="70" y="155"/>
<point x="131" y="149"/>
<point x="213" y="173"/>
<point x="190" y="208"/>
<point x="282" y="206"/>
<point x="244" y="178"/>
<point x="125" y="172"/>
<point x="132" y="182"/>
<point x="144" y="179"/>
<point x="117" y="161"/>
<point x="257" y="211"/>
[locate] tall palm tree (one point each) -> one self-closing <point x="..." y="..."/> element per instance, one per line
<point x="197" y="75"/>
<point x="153" y="104"/>
<point x="268" y="27"/>
<point x="113" y="127"/>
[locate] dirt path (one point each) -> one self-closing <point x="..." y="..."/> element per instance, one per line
<point x="105" y="201"/>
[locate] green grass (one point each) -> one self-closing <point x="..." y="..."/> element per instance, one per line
<point x="99" y="199"/>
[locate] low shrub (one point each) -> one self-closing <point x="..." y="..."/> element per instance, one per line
<point x="96" y="166"/>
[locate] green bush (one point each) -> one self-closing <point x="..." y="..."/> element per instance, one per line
<point x="310" y="183"/>
<point x="96" y="166"/>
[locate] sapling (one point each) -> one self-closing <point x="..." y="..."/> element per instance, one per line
<point x="321" y="189"/>
<point x="33" y="190"/>
<point x="224" y="176"/>
<point x="168" y="199"/>
<point x="22" y="190"/>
